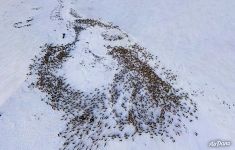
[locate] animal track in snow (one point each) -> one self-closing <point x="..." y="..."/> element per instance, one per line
<point x="26" y="23"/>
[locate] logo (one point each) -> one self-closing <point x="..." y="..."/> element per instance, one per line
<point x="219" y="143"/>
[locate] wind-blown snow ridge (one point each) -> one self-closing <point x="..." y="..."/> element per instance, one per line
<point x="134" y="101"/>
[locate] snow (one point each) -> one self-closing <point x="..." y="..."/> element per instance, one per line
<point x="90" y="66"/>
<point x="19" y="45"/>
<point x="27" y="123"/>
<point x="195" y="39"/>
<point x="82" y="71"/>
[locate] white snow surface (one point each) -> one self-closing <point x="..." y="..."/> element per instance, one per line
<point x="195" y="39"/>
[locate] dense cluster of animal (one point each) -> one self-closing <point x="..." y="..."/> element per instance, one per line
<point x="137" y="102"/>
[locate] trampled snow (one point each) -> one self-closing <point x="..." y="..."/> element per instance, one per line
<point x="195" y="39"/>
